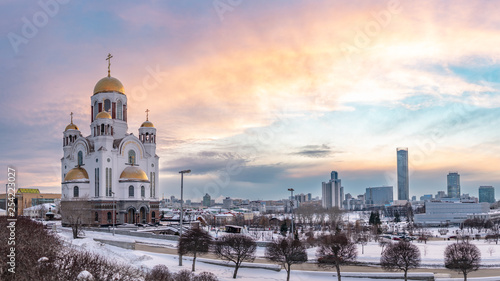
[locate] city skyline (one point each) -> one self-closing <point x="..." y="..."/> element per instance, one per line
<point x="264" y="96"/>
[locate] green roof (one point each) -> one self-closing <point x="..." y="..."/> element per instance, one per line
<point x="28" y="190"/>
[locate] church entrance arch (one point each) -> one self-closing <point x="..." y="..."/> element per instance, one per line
<point x="143" y="215"/>
<point x="131" y="215"/>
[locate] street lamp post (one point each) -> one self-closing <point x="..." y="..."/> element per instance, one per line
<point x="41" y="205"/>
<point x="291" y="206"/>
<point x="113" y="217"/>
<point x="180" y="219"/>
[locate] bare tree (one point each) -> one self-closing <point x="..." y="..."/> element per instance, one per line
<point x="183" y="275"/>
<point x="194" y="241"/>
<point x="76" y="213"/>
<point x="236" y="248"/>
<point x="462" y="257"/>
<point x="334" y="217"/>
<point x="42" y="211"/>
<point x="362" y="239"/>
<point x="335" y="250"/>
<point x="206" y="276"/>
<point x="70" y="263"/>
<point x="400" y="256"/>
<point x="159" y="273"/>
<point x="32" y="242"/>
<point x="491" y="250"/>
<point x="382" y="243"/>
<point x="286" y="251"/>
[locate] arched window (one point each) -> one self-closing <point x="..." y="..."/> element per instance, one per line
<point x="119" y="110"/>
<point x="131" y="191"/>
<point x="153" y="214"/>
<point x="96" y="109"/>
<point x="76" y="192"/>
<point x="143" y="191"/>
<point x="107" y="105"/>
<point x="154" y="183"/>
<point x="97" y="192"/>
<point x="96" y="216"/>
<point x="80" y="158"/>
<point x="107" y="181"/>
<point x="109" y="217"/>
<point x="131" y="157"/>
<point x="110" y="181"/>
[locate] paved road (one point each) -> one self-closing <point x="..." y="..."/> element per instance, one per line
<point x="487" y="272"/>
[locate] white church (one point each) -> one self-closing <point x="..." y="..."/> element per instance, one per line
<point x="111" y="169"/>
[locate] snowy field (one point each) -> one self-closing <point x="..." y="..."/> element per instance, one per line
<point x="432" y="254"/>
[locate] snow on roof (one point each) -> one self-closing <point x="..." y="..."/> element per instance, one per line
<point x="41" y="206"/>
<point x="224" y="215"/>
<point x="84" y="275"/>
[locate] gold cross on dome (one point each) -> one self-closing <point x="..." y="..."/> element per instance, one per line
<point x="71" y="117"/>
<point x="147" y="114"/>
<point x="109" y="64"/>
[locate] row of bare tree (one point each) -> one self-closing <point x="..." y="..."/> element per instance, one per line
<point x="334" y="250"/>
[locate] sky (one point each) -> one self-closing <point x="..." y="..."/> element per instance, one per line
<point x="256" y="97"/>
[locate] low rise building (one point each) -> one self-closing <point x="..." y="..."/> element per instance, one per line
<point x="29" y="197"/>
<point x="439" y="212"/>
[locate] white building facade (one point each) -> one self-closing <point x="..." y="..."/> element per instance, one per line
<point x="439" y="213"/>
<point x="110" y="168"/>
<point x="332" y="192"/>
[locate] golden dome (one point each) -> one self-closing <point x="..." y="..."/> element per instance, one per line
<point x="77" y="173"/>
<point x="109" y="84"/>
<point x="133" y="173"/>
<point x="71" y="127"/>
<point x="103" y="115"/>
<point x="147" y="124"/>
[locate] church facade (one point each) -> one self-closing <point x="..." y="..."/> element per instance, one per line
<point x="111" y="169"/>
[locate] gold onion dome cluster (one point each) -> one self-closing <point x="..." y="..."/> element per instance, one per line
<point x="71" y="127"/>
<point x="147" y="124"/>
<point x="134" y="173"/>
<point x="109" y="84"/>
<point x="77" y="173"/>
<point x="103" y="115"/>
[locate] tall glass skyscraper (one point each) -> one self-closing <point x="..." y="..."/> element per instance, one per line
<point x="453" y="185"/>
<point x="487" y="194"/>
<point x="403" y="176"/>
<point x="378" y="196"/>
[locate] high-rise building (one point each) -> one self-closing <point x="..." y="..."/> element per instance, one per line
<point x="333" y="192"/>
<point x="440" y="194"/>
<point x="206" y="200"/>
<point x="403" y="176"/>
<point x="426" y="197"/>
<point x="487" y="194"/>
<point x="453" y="185"/>
<point x="378" y="196"/>
<point x="227" y="202"/>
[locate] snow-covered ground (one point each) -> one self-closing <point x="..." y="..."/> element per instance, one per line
<point x="149" y="260"/>
<point x="432" y="254"/>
